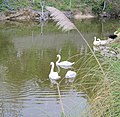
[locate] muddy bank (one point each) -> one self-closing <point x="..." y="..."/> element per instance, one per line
<point x="24" y="15"/>
<point x="29" y="15"/>
<point x="83" y="16"/>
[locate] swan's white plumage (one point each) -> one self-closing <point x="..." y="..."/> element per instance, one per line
<point x="70" y="74"/>
<point x="53" y="75"/>
<point x="63" y="63"/>
<point x="117" y="33"/>
<point x="96" y="42"/>
<point x="103" y="42"/>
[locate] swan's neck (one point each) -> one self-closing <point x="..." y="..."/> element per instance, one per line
<point x="118" y="35"/>
<point x="59" y="58"/>
<point x="95" y="39"/>
<point x="115" y="33"/>
<point x="52" y="68"/>
<point x="58" y="68"/>
<point x="98" y="39"/>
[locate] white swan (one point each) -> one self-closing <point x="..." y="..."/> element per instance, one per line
<point x="63" y="63"/>
<point x="53" y="75"/>
<point x="70" y="74"/>
<point x="117" y="33"/>
<point x="64" y="67"/>
<point x="96" y="42"/>
<point x="103" y="42"/>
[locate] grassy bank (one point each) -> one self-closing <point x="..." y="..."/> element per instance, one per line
<point x="105" y="101"/>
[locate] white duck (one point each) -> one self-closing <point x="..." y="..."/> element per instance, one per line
<point x="63" y="63"/>
<point x="103" y="42"/>
<point x="70" y="74"/>
<point x="53" y="75"/>
<point x="96" y="42"/>
<point x="117" y="33"/>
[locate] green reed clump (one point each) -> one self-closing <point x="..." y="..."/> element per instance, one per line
<point x="105" y="101"/>
<point x="115" y="86"/>
<point x="103" y="93"/>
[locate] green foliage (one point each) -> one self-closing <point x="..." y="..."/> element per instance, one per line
<point x="96" y="5"/>
<point x="1" y="1"/>
<point x="110" y="7"/>
<point x="97" y="8"/>
<point x="118" y="29"/>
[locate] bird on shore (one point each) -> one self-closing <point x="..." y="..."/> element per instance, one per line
<point x="115" y="35"/>
<point x="104" y="42"/>
<point x="96" y="42"/>
<point x="112" y="36"/>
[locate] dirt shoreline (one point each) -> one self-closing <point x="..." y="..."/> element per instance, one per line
<point x="83" y="16"/>
<point x="28" y="14"/>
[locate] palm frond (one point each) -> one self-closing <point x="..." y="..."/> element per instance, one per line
<point x="62" y="21"/>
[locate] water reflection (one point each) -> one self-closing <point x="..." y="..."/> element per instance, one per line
<point x="70" y="80"/>
<point x="25" y="88"/>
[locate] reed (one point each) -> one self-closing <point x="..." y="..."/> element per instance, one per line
<point x="103" y="95"/>
<point x="61" y="103"/>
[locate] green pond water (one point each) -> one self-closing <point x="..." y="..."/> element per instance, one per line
<point x="26" y="50"/>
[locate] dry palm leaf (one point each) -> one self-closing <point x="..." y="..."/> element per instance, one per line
<point x="66" y="25"/>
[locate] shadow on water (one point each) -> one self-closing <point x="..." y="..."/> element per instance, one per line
<point x="26" y="51"/>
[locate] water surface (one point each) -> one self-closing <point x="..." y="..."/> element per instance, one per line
<point x="26" y="50"/>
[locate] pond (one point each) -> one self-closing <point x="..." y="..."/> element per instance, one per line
<point x="26" y="50"/>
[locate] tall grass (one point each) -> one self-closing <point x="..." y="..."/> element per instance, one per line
<point x="105" y="102"/>
<point x="103" y="94"/>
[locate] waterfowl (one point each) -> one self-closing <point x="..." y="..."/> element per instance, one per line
<point x="96" y="42"/>
<point x="115" y="35"/>
<point x="103" y="42"/>
<point x="53" y="75"/>
<point x="64" y="67"/>
<point x="63" y="63"/>
<point x="112" y="36"/>
<point x="70" y="74"/>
